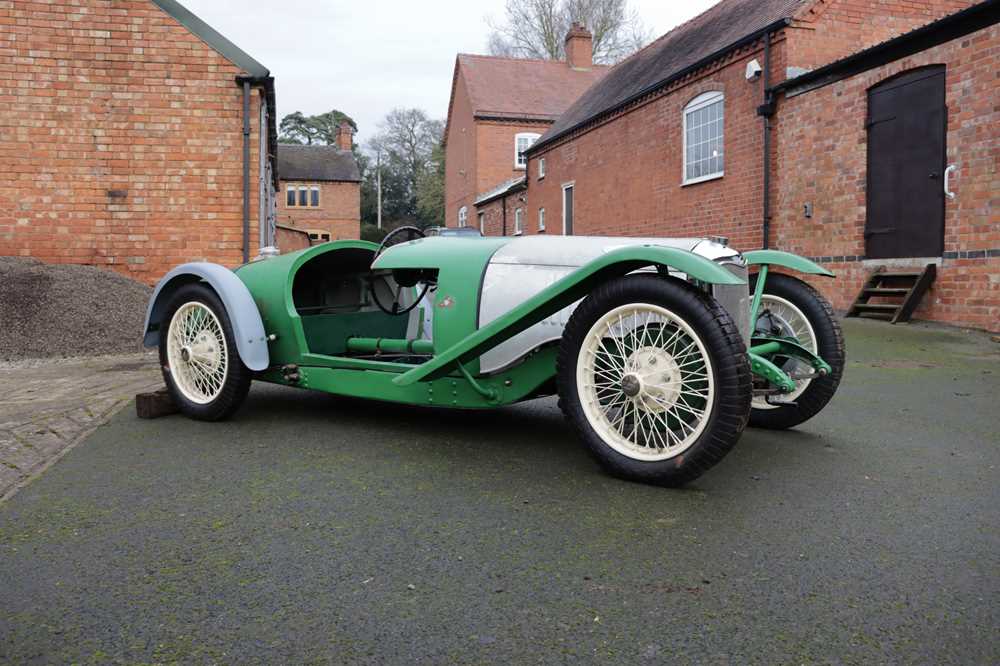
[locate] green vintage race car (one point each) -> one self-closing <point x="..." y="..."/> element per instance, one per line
<point x="660" y="350"/>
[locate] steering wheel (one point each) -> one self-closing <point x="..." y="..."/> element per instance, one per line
<point x="395" y="308"/>
<point x="397" y="236"/>
<point x="402" y="277"/>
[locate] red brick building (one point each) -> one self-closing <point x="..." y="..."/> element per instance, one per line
<point x="499" y="107"/>
<point x="737" y="123"/>
<point x="321" y="189"/>
<point x="902" y="122"/>
<point x="122" y="135"/>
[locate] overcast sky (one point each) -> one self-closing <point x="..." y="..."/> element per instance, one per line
<point x="367" y="57"/>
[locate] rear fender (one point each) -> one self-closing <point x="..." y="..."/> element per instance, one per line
<point x="248" y="328"/>
<point x="564" y="292"/>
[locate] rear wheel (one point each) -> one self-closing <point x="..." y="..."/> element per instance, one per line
<point x="201" y="366"/>
<point x="792" y="308"/>
<point x="654" y="376"/>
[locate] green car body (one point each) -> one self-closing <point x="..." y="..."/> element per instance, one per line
<point x="308" y="319"/>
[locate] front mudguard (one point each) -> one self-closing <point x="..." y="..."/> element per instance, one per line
<point x="248" y="327"/>
<point x="759" y="365"/>
<point x="785" y="260"/>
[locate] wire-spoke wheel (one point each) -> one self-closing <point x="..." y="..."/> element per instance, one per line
<point x="792" y="308"/>
<point x="197" y="353"/>
<point x="201" y="366"/>
<point x="645" y="380"/>
<point x="654" y="375"/>
<point x="781" y="318"/>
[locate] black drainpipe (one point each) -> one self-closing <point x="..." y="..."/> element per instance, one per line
<point x="246" y="168"/>
<point x="767" y="110"/>
<point x="503" y="205"/>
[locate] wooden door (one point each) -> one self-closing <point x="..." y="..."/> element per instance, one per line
<point x="568" y="209"/>
<point x="907" y="120"/>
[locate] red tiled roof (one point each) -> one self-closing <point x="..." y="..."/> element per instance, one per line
<point x="530" y="89"/>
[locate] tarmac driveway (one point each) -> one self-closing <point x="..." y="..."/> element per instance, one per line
<point x="313" y="529"/>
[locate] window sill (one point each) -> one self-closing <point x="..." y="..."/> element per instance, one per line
<point x="703" y="179"/>
<point x="519" y="167"/>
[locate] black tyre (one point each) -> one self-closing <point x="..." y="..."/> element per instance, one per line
<point x="654" y="376"/>
<point x="198" y="355"/>
<point x="790" y="307"/>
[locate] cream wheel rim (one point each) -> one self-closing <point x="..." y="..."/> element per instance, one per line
<point x="793" y="323"/>
<point x="645" y="382"/>
<point x="197" y="353"/>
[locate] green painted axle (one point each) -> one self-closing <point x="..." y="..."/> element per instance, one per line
<point x="774" y="375"/>
<point x="765" y="348"/>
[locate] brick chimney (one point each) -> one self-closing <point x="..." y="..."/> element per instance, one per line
<point x="345" y="136"/>
<point x="579" y="47"/>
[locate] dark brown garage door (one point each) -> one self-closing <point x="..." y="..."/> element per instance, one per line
<point x="906" y="160"/>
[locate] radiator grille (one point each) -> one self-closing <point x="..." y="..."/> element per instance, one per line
<point x="736" y="299"/>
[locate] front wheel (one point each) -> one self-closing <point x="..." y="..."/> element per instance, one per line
<point x="201" y="365"/>
<point x="793" y="309"/>
<point x="655" y="377"/>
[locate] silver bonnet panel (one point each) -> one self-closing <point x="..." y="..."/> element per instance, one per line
<point x="527" y="265"/>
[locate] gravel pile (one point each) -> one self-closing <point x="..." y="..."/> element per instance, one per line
<point x="48" y="310"/>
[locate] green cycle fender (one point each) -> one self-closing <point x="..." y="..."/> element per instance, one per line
<point x="785" y="260"/>
<point x="564" y="292"/>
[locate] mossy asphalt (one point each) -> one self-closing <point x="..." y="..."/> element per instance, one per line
<point x="312" y="529"/>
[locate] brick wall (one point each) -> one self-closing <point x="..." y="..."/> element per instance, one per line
<point x="822" y="147"/>
<point x="338" y="214"/>
<point x="495" y="151"/>
<point x="479" y="155"/>
<point x="460" y="155"/>
<point x="832" y="29"/>
<point x="628" y="172"/>
<point x="493" y="216"/>
<point x="290" y="239"/>
<point x="121" y="138"/>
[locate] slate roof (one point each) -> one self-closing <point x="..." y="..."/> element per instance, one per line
<point x="213" y="38"/>
<point x="701" y="39"/>
<point x="523" y="89"/>
<point x="503" y="189"/>
<point x="317" y="163"/>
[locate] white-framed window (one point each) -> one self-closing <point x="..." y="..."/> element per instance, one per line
<point x="463" y="216"/>
<point x="518" y="221"/>
<point x="704" y="138"/>
<point x="481" y="219"/>
<point x="302" y="196"/>
<point x="523" y="141"/>
<point x="541" y="219"/>
<point x="541" y="168"/>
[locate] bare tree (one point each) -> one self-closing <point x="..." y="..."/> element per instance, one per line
<point x="407" y="148"/>
<point x="537" y="29"/>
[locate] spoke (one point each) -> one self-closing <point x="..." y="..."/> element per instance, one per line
<point x="617" y="364"/>
<point x="686" y="428"/>
<point x="613" y="376"/>
<point x="620" y="418"/>
<point x="687" y="408"/>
